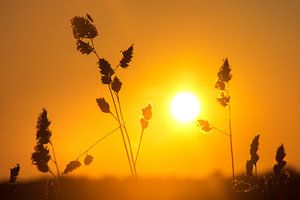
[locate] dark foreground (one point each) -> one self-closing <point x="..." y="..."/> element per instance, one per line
<point x="213" y="188"/>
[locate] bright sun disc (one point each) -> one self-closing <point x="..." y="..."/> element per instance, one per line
<point x="185" y="107"/>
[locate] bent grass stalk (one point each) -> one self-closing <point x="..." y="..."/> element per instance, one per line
<point x="95" y="143"/>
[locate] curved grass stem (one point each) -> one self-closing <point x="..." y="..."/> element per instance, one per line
<point x="138" y="150"/>
<point x="221" y="131"/>
<point x="95" y="143"/>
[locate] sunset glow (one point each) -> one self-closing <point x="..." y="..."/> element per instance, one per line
<point x="179" y="47"/>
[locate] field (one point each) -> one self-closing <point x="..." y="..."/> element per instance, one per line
<point x="215" y="187"/>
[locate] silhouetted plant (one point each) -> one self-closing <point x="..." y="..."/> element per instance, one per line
<point x="41" y="155"/>
<point x="13" y="186"/>
<point x="147" y="114"/>
<point x="278" y="167"/>
<point x="71" y="166"/>
<point x="253" y="152"/>
<point x="222" y="84"/>
<point x="84" y="31"/>
<point x="275" y="186"/>
<point x="249" y="183"/>
<point x="14" y="173"/>
<point x="265" y="187"/>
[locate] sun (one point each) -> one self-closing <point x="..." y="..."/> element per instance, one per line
<point x="185" y="107"/>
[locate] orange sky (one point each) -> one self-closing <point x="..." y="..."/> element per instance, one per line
<point x="179" y="46"/>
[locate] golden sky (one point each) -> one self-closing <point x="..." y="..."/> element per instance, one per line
<point x="179" y="46"/>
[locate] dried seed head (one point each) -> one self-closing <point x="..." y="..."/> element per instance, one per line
<point x="84" y="47"/>
<point x="144" y="123"/>
<point x="106" y="71"/>
<point x="224" y="72"/>
<point x="43" y="133"/>
<point x="280" y="154"/>
<point x="147" y="112"/>
<point x="127" y="56"/>
<point x="220" y="84"/>
<point x="204" y="125"/>
<point x="116" y="85"/>
<point x="83" y="27"/>
<point x="14" y="173"/>
<point x="253" y="150"/>
<point x="223" y="99"/>
<point x="103" y="105"/>
<point x="71" y="166"/>
<point x="88" y="159"/>
<point x="41" y="157"/>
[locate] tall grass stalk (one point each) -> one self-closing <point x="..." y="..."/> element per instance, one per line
<point x="222" y="84"/>
<point x="231" y="143"/>
<point x="84" y="31"/>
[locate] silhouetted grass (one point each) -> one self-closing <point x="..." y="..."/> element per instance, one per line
<point x="224" y="75"/>
<point x="85" y="32"/>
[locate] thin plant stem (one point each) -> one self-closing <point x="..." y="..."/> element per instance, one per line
<point x="95" y="143"/>
<point x="221" y="131"/>
<point x="116" y="67"/>
<point x="117" y="119"/>
<point x="55" y="160"/>
<point x="230" y="138"/>
<point x="126" y="132"/>
<point x="138" y="150"/>
<point x="230" y="135"/>
<point x="94" y="49"/>
<point x="122" y="133"/>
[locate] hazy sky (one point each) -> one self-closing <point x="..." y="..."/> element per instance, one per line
<point x="179" y="46"/>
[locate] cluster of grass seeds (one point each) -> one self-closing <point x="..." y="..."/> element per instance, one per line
<point x="13" y="185"/>
<point x="14" y="173"/>
<point x="222" y="84"/>
<point x="41" y="155"/>
<point x="85" y="32"/>
<point x="264" y="187"/>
